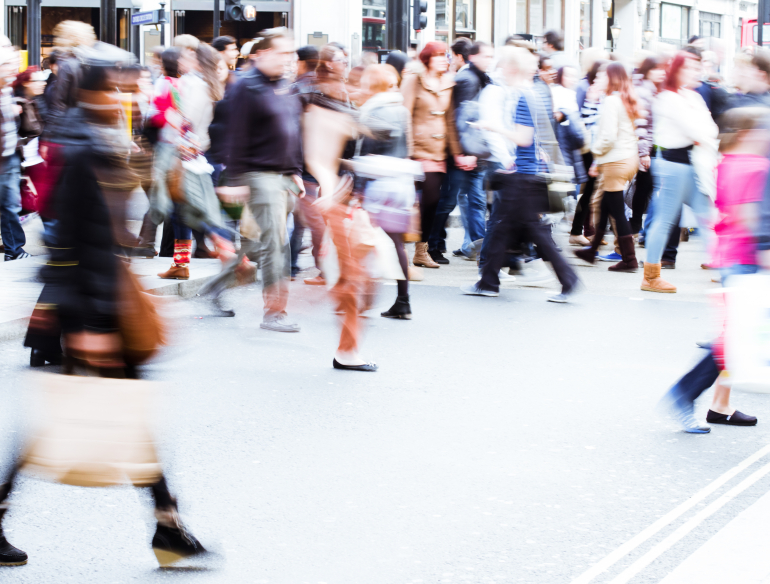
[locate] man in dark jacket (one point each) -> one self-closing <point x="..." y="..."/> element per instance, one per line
<point x="265" y="155"/>
<point x="466" y="187"/>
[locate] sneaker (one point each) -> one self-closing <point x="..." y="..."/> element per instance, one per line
<point x="172" y="543"/>
<point x="279" y="323"/>
<point x="20" y="256"/>
<point x="476" y="290"/>
<point x="691" y="426"/>
<point x="536" y="274"/>
<point x="610" y="257"/>
<point x="9" y="555"/>
<point x="505" y="277"/>
<point x="458" y="253"/>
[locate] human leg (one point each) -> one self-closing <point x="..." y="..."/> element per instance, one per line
<point x="683" y="394"/>
<point x="454" y="183"/>
<point x="589" y="253"/>
<point x="9" y="555"/>
<point x="429" y="198"/>
<point x="476" y="214"/>
<point x="10" y="207"/>
<point x="641" y="199"/>
<point x="401" y="309"/>
<point x="617" y="210"/>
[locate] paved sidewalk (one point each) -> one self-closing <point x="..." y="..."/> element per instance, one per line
<point x="20" y="287"/>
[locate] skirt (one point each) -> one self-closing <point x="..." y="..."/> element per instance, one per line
<point x="617" y="174"/>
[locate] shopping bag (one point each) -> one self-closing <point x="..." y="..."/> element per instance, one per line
<point x="91" y="432"/>
<point x="141" y="327"/>
<point x="747" y="332"/>
<point x="387" y="265"/>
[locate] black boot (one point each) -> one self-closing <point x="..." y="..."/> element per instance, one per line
<point x="400" y="309"/>
<point x="9" y="555"/>
<point x="437" y="256"/>
<point x="172" y="542"/>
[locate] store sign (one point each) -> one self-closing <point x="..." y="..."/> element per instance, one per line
<point x="152" y="17"/>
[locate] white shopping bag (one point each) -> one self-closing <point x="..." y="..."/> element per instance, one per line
<point x="747" y="332"/>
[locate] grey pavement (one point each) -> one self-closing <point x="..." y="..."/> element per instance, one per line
<point x="502" y="440"/>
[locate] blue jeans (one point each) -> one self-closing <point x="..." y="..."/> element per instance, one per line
<point x="694" y="383"/>
<point x="466" y="188"/>
<point x="675" y="185"/>
<point x="10" y="206"/>
<point x="737" y="270"/>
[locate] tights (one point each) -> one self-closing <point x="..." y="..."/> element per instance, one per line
<point x="431" y="193"/>
<point x="613" y="206"/>
<point x="398" y="241"/>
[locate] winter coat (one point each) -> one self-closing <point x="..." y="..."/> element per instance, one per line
<point x="388" y="121"/>
<point x="433" y="135"/>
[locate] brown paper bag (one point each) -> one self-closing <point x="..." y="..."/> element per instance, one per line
<point x="92" y="432"/>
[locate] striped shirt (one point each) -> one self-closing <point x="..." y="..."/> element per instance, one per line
<point x="8" y="112"/>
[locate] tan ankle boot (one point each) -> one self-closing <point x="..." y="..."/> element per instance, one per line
<point x="652" y="282"/>
<point x="176" y="273"/>
<point x="421" y="257"/>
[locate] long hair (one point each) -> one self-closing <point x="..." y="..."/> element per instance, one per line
<point x="618" y="81"/>
<point x="594" y="70"/>
<point x="672" y="78"/>
<point x="649" y="64"/>
<point x="208" y="61"/>
<point x="431" y="49"/>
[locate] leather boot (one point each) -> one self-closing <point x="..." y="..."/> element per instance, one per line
<point x="628" y="263"/>
<point x="176" y="273"/>
<point x="588" y="254"/>
<point x="652" y="282"/>
<point x="421" y="256"/>
<point x="401" y="309"/>
<point x="9" y="555"/>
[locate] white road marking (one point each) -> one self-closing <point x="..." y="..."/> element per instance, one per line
<point x="667" y="519"/>
<point x="699" y="517"/>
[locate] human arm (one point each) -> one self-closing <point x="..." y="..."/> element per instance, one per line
<point x="409" y="91"/>
<point x="607" y="130"/>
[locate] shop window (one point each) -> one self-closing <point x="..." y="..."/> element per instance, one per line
<point x="710" y="25"/>
<point x="674" y="24"/>
<point x="535" y="17"/>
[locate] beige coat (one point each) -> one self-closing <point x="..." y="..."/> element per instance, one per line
<point x="433" y="135"/>
<point x="615" y="137"/>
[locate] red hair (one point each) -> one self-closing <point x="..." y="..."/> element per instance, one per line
<point x="617" y="80"/>
<point x="672" y="78"/>
<point x="24" y="77"/>
<point x="431" y="49"/>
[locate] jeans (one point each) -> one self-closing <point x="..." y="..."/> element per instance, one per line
<point x="675" y="185"/>
<point x="466" y="188"/>
<point x="737" y="270"/>
<point x="522" y="198"/>
<point x="672" y="245"/>
<point x="10" y="206"/>
<point x="695" y="382"/>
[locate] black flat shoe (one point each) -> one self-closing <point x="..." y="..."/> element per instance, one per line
<point x="364" y="367"/>
<point x="737" y="419"/>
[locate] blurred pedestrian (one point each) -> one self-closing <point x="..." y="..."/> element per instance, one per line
<point x="681" y="120"/>
<point x="265" y="155"/>
<point x="616" y="157"/>
<point x="465" y="187"/>
<point x="428" y="97"/>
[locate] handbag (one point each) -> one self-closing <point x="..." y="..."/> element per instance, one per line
<point x="473" y="141"/>
<point x="141" y="327"/>
<point x="30" y="125"/>
<point x="389" y="202"/>
<point x="92" y="432"/>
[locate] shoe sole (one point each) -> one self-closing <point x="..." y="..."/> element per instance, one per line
<point x="278" y="330"/>
<point x="648" y="289"/>
<point x="733" y="424"/>
<point x="426" y="266"/>
<point x="398" y="317"/>
<point x="625" y="270"/>
<point x="173" y="278"/>
<point x="13" y="563"/>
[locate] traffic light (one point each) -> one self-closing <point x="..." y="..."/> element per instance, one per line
<point x="419" y="18"/>
<point x="235" y="11"/>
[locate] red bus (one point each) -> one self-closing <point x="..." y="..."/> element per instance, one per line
<point x="750" y="34"/>
<point x="373" y="25"/>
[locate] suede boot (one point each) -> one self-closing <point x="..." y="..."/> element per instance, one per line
<point x="652" y="282"/>
<point x="180" y="269"/>
<point x="421" y="256"/>
<point x="628" y="263"/>
<point x="400" y="309"/>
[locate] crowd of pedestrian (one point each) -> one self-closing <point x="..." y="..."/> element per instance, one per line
<point x="242" y="151"/>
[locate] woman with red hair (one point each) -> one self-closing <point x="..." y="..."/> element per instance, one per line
<point x="433" y="136"/>
<point x="616" y="157"/>
<point x="682" y="121"/>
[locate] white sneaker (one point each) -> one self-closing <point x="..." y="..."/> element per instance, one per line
<point x="505" y="277"/>
<point x="536" y="274"/>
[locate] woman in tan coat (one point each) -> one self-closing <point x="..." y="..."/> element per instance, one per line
<point x="428" y="97"/>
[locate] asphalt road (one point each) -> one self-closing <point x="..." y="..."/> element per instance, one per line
<point x="502" y="440"/>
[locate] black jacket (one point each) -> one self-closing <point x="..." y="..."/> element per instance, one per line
<point x="263" y="127"/>
<point x="468" y="84"/>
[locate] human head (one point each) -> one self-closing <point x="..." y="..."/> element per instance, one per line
<point x="274" y="52"/>
<point x="618" y="81"/>
<point x="332" y="63"/>
<point x="567" y="77"/>
<point x="105" y="72"/>
<point x="227" y="46"/>
<point x="553" y="41"/>
<point x="397" y="60"/>
<point x="481" y="54"/>
<point x="170" y="61"/>
<point x="460" y="50"/>
<point x="70" y="34"/>
<point x="745" y="124"/>
<point x="545" y="71"/>
<point x="369" y="58"/>
<point x="29" y="82"/>
<point x="208" y="60"/>
<point x="653" y="69"/>
<point x="53" y="61"/>
<point x="590" y="56"/>
<point x="683" y="71"/>
<point x="593" y="72"/>
<point x="433" y="56"/>
<point x="516" y="63"/>
<point x="307" y="59"/>
<point x="752" y="73"/>
<point x="186" y="41"/>
<point x="379" y="79"/>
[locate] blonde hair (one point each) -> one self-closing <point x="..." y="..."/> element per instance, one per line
<point x="379" y="78"/>
<point x="73" y="33"/>
<point x="512" y="56"/>
<point x="186" y="41"/>
<point x="741" y="119"/>
<point x="208" y="60"/>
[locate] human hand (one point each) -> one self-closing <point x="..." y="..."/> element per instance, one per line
<point x="644" y="162"/>
<point x="593" y="171"/>
<point x="297" y="179"/>
<point x="465" y="162"/>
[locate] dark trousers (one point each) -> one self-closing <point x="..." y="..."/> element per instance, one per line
<point x="641" y="199"/>
<point x="613" y="206"/>
<point x="522" y="198"/>
<point x="583" y="210"/>
<point x="429" y="197"/>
